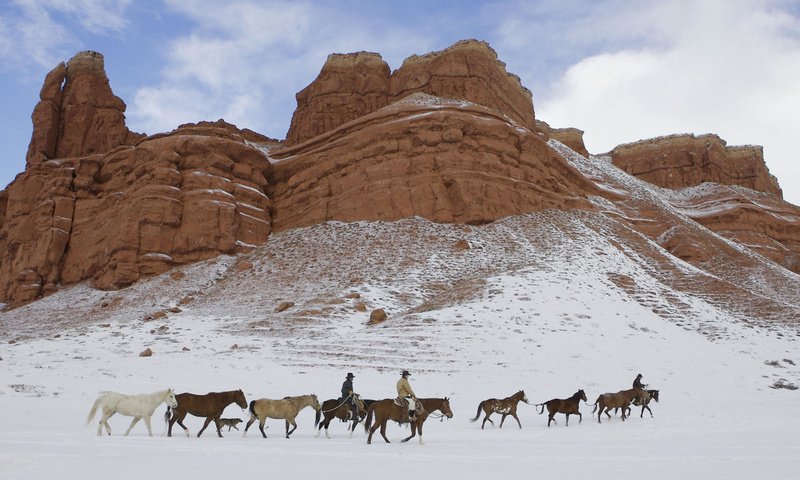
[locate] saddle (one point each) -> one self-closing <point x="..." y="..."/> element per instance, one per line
<point x="409" y="415"/>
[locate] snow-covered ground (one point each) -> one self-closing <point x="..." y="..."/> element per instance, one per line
<point x="551" y="330"/>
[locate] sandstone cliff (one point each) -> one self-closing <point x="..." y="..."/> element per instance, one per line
<point x="352" y="85"/>
<point x="78" y="114"/>
<point x="449" y="137"/>
<point x="440" y="159"/>
<point x="680" y="161"/>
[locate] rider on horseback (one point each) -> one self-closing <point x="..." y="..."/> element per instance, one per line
<point x="405" y="392"/>
<point x="637" y="382"/>
<point x="349" y="395"/>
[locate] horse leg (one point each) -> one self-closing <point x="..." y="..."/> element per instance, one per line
<point x="503" y="419"/>
<point x="104" y="421"/>
<point x="551" y="418"/>
<point x="419" y="430"/>
<point x="205" y="424"/>
<point x="294" y="426"/>
<point x="179" y="419"/>
<point x="567" y="419"/>
<point x="249" y="422"/>
<point x="580" y="416"/>
<point x="383" y="429"/>
<point x="261" y="427"/>
<point x="218" y="425"/>
<point x="517" y="419"/>
<point x="485" y="419"/>
<point x="133" y="422"/>
<point x="648" y="409"/>
<point x="413" y="432"/>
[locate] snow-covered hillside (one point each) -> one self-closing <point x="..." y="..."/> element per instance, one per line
<point x="549" y="302"/>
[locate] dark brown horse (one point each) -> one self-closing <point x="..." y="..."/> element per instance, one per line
<point x="505" y="407"/>
<point x="211" y="405"/>
<point x="642" y="401"/>
<point x="385" y="410"/>
<point x="339" y="408"/>
<point x="622" y="399"/>
<point x="568" y="406"/>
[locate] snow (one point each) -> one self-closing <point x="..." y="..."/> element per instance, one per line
<point x="533" y="305"/>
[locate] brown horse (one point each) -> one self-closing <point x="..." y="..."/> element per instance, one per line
<point x="568" y="406"/>
<point x="642" y="401"/>
<point x="211" y="405"/>
<point x="287" y="408"/>
<point x="385" y="410"/>
<point x="339" y="408"/>
<point x="505" y="407"/>
<point x="621" y="399"/>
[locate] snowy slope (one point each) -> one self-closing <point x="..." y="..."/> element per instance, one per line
<point x="539" y="302"/>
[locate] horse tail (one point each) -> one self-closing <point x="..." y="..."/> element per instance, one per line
<point x="166" y="415"/>
<point x="541" y="405"/>
<point x="477" y="415"/>
<point x="253" y="408"/>
<point x="93" y="411"/>
<point x="595" y="407"/>
<point x="317" y="416"/>
<point x="368" y="421"/>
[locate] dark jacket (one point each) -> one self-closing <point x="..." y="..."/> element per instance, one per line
<point x="637" y="383"/>
<point x="347" y="388"/>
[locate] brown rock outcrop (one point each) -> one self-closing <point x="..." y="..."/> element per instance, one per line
<point x="467" y="70"/>
<point x="444" y="160"/>
<point x="352" y="85"/>
<point x="348" y="86"/>
<point x="681" y="161"/>
<point x="761" y="222"/>
<point x="571" y="137"/>
<point x="78" y="114"/>
<point x="136" y="211"/>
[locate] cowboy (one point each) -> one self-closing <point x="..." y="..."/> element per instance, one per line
<point x="637" y="382"/>
<point x="404" y="391"/>
<point x="349" y="395"/>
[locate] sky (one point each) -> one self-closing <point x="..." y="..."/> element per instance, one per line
<point x="621" y="70"/>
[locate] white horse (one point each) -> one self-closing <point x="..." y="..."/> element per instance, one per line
<point x="136" y="406"/>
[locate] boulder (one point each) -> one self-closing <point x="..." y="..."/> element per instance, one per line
<point x="146" y="353"/>
<point x="377" y="316"/>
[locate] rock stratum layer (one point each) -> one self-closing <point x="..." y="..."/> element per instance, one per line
<point x="450" y="137"/>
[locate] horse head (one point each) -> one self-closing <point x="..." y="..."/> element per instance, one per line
<point x="653" y="394"/>
<point x="445" y="408"/>
<point x="171" y="400"/>
<point x="581" y="395"/>
<point x="240" y="400"/>
<point x="522" y="396"/>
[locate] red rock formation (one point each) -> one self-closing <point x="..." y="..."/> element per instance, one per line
<point x="467" y="70"/>
<point x="352" y="85"/>
<point x="571" y="137"/>
<point x="78" y="114"/>
<point x="681" y="161"/>
<point x="444" y="160"/>
<point x="761" y="222"/>
<point x="348" y="86"/>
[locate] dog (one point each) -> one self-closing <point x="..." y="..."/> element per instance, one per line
<point x="230" y="422"/>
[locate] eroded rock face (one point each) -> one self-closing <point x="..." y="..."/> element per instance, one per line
<point x="136" y="211"/>
<point x="762" y="222"/>
<point x="468" y="70"/>
<point x="571" y="137"/>
<point x="352" y="85"/>
<point x="348" y="86"/>
<point x="78" y="114"/>
<point x="444" y="160"/>
<point x="681" y="161"/>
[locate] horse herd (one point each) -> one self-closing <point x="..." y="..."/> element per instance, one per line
<point x="375" y="413"/>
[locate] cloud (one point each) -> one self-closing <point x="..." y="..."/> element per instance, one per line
<point x="245" y="61"/>
<point x="37" y="34"/>
<point x="725" y="67"/>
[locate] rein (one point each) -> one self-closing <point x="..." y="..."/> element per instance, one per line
<point x="337" y="406"/>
